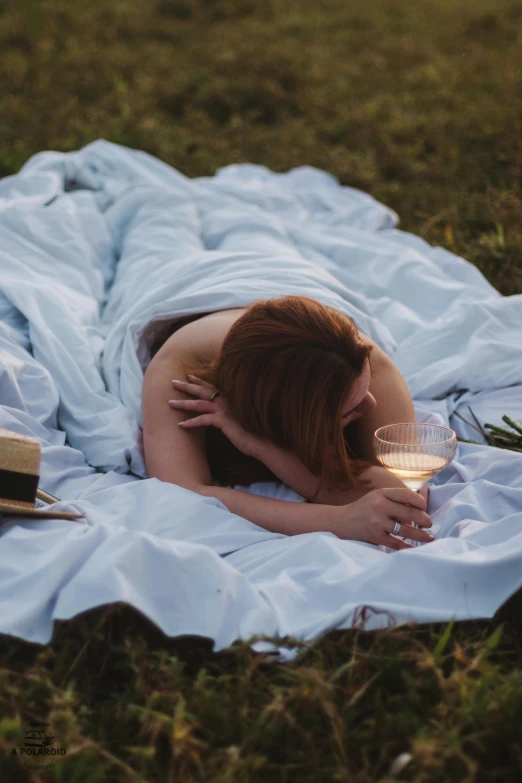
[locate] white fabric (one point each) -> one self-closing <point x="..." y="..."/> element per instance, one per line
<point x="99" y="249"/>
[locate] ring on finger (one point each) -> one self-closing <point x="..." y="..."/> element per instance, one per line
<point x="396" y="528"/>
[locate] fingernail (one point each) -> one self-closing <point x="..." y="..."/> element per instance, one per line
<point x="181" y="423"/>
<point x="176" y="381"/>
<point x="171" y="401"/>
<point x="431" y="537"/>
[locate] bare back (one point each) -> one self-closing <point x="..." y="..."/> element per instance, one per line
<point x="171" y="453"/>
<point x="203" y="337"/>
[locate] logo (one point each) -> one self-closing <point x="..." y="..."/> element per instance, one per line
<point x="39" y="749"/>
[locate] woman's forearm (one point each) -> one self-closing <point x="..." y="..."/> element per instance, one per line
<point x="291" y="471"/>
<point x="286" y="466"/>
<point x="279" y="516"/>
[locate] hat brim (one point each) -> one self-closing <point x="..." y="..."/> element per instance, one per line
<point x="43" y="513"/>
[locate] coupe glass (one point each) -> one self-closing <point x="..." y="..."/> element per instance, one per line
<point x="414" y="452"/>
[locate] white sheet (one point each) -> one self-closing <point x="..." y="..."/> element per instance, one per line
<point x="101" y="247"/>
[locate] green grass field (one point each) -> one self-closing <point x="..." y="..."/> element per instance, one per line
<point x="419" y="104"/>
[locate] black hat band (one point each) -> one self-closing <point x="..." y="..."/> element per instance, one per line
<point x="18" y="486"/>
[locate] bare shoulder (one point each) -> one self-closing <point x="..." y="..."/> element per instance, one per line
<point x="201" y="340"/>
<point x="377" y="356"/>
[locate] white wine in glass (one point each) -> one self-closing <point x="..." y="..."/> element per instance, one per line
<point x="414" y="452"/>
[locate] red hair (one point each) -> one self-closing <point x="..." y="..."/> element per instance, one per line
<point x="285" y="368"/>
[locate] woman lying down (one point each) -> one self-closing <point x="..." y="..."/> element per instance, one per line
<point x="288" y="390"/>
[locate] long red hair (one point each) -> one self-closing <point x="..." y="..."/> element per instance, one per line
<point x="285" y="368"/>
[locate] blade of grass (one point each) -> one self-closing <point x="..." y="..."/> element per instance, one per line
<point x="502" y="431"/>
<point x="443" y="641"/>
<point x="502" y="440"/>
<point x="512" y="423"/>
<point x="478" y="423"/>
<point x="467" y="422"/>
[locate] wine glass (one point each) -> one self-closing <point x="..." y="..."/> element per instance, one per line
<point x="414" y="452"/>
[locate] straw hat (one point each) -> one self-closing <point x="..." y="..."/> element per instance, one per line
<point x="19" y="476"/>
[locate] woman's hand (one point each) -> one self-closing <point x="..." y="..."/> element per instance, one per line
<point x="424" y="492"/>
<point x="212" y="414"/>
<point x="372" y="518"/>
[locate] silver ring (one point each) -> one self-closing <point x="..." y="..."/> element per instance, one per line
<point x="396" y="528"/>
<point x="214" y="395"/>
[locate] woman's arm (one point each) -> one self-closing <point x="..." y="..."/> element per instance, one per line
<point x="291" y="471"/>
<point x="394" y="405"/>
<point x="279" y="516"/>
<point x="178" y="456"/>
<point x="171" y="454"/>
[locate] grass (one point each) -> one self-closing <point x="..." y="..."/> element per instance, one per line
<point x="130" y="704"/>
<point x="418" y="104"/>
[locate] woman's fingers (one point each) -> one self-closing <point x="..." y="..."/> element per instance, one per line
<point x="195" y="379"/>
<point x="408" y="514"/>
<point x="198" y="421"/>
<point x="411" y="532"/>
<point x="404" y="495"/>
<point x="197" y="389"/>
<point x="205" y="406"/>
<point x="391" y="541"/>
<point x="395" y="543"/>
<point x="424" y="492"/>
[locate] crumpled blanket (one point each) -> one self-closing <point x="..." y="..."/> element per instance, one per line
<point x="103" y="248"/>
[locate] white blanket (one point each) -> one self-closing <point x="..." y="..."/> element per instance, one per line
<point x="99" y="249"/>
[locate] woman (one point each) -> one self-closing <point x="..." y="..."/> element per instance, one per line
<point x="286" y="389"/>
